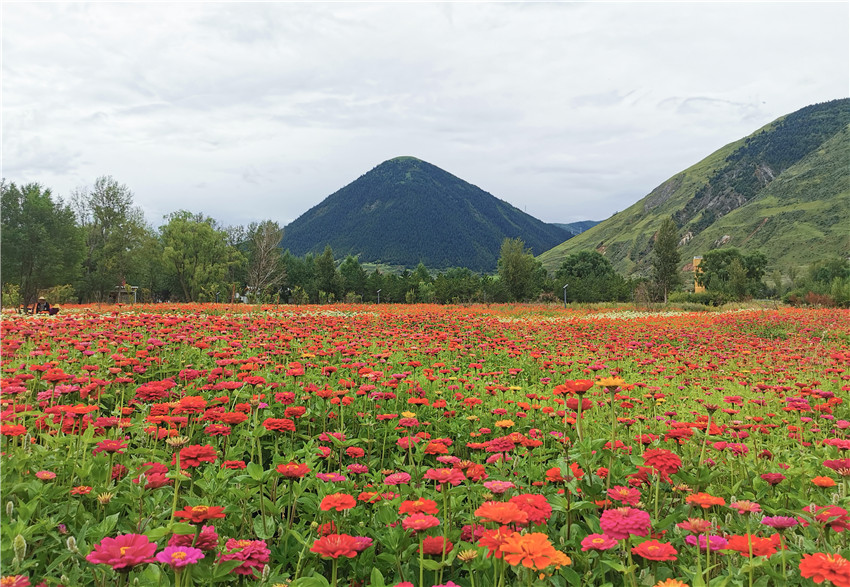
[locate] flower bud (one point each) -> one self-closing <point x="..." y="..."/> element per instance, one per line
<point x="10" y="508"/>
<point x="19" y="546"/>
<point x="266" y="572"/>
<point x="71" y="543"/>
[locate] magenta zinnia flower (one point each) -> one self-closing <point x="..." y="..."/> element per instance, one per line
<point x="178" y="557"/>
<point x="123" y="552"/>
<point x="779" y="522"/>
<point x="714" y="542"/>
<point x="620" y="523"/>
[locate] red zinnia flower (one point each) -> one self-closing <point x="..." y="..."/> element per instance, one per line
<point x="655" y="551"/>
<point x="338" y="502"/>
<point x="195" y="454"/>
<point x="123" y="552"/>
<point x="536" y="507"/>
<point x="200" y="513"/>
<point x="493" y="540"/>
<point x="419" y="522"/>
<point x="664" y="461"/>
<point x="293" y="470"/>
<point x="761" y="546"/>
<point x="335" y="546"/>
<point x="109" y="446"/>
<point x="279" y="424"/>
<point x="436" y="545"/>
<point x="419" y="506"/>
<point x="820" y="567"/>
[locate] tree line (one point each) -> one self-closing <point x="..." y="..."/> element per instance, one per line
<point x="96" y="246"/>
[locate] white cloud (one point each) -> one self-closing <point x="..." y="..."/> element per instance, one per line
<point x="252" y="111"/>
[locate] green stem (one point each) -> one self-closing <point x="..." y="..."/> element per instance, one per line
<point x="333" y="572"/>
<point x="422" y="562"/>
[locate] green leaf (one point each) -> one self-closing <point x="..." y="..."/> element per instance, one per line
<point x="107" y="525"/>
<point x="268" y="531"/>
<point x="376" y="579"/>
<point x="432" y="565"/>
<point x="314" y="581"/>
<point x="255" y="471"/>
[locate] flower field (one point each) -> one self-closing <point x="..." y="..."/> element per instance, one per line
<point x="424" y="445"/>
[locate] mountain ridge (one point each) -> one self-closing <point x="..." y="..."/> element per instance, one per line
<point x="405" y="211"/>
<point x="719" y="201"/>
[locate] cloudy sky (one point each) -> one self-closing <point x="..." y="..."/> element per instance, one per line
<point x="568" y="111"/>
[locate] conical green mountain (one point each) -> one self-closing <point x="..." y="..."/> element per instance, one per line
<point x="406" y="210"/>
<point x="784" y="190"/>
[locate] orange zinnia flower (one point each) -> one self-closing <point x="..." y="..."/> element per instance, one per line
<point x="824" y="481"/>
<point x="705" y="500"/>
<point x="501" y="513"/>
<point x="533" y="551"/>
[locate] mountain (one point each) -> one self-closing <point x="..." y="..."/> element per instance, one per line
<point x="406" y="210"/>
<point x="784" y="190"/>
<point x="576" y="228"/>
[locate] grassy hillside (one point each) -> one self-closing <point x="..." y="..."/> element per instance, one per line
<point x="783" y="189"/>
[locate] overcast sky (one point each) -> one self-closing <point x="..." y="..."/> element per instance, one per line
<point x="569" y="111"/>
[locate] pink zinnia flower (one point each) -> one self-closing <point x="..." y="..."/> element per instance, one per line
<point x="207" y="539"/>
<point x="620" y="523"/>
<point x="178" y="557"/>
<point x="627" y="495"/>
<point x="122" y="552"/>
<point x="46" y="475"/>
<point x="598" y="542"/>
<point x="498" y="487"/>
<point x="253" y="554"/>
<point x="451" y="476"/>
<point x="779" y="522"/>
<point x="397" y="479"/>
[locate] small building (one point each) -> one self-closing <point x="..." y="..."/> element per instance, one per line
<point x="123" y="294"/>
<point x="697" y="287"/>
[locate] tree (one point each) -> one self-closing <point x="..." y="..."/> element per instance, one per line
<point x="353" y="277"/>
<point x="197" y="256"/>
<point x="729" y="272"/>
<point x="519" y="270"/>
<point x="591" y="278"/>
<point x="666" y="258"/>
<point x="328" y="279"/>
<point x="265" y="267"/>
<point x="41" y="242"/>
<point x="114" y="231"/>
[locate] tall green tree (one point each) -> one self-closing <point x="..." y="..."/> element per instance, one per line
<point x="666" y="258"/>
<point x="41" y="242"/>
<point x="353" y="276"/>
<point x="114" y="231"/>
<point x="328" y="279"/>
<point x="197" y="256"/>
<point x="519" y="270"/>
